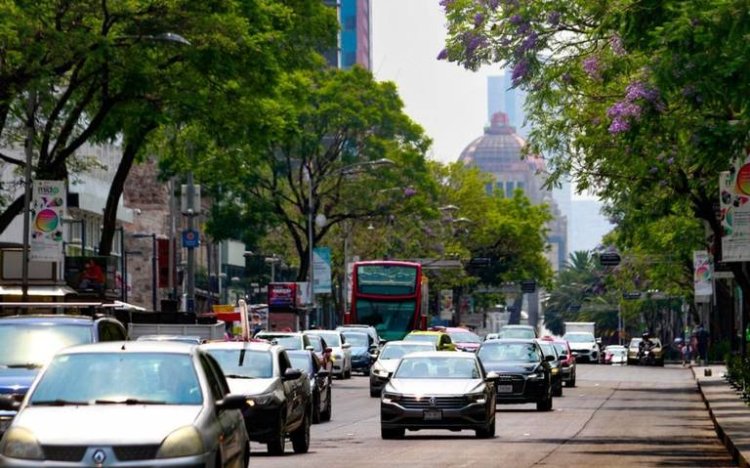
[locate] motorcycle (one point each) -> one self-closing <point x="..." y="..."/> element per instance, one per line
<point x="646" y="356"/>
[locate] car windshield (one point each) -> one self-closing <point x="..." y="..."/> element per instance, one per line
<point x="523" y="333"/>
<point x="579" y="337"/>
<point x="119" y="378"/>
<point x="316" y="342"/>
<point x="244" y="362"/>
<point x="562" y="350"/>
<point x="464" y="337"/>
<point x="359" y="340"/>
<point x="179" y="339"/>
<point x="332" y="338"/>
<point x="423" y="338"/>
<point x="289" y="342"/>
<point x="301" y="360"/>
<point x="33" y="345"/>
<point x="437" y="368"/>
<point x="547" y="349"/>
<point x="397" y="351"/>
<point x="509" y="352"/>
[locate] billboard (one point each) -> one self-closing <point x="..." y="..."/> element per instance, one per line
<point x="92" y="275"/>
<point x="282" y="296"/>
<point x="322" y="270"/>
<point x="46" y="225"/>
<point x="703" y="275"/>
<point x="734" y="204"/>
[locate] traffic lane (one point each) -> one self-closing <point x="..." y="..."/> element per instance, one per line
<point x="592" y="424"/>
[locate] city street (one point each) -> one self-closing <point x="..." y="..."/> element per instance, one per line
<point x="616" y="416"/>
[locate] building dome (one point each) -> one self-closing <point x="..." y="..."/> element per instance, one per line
<point x="499" y="149"/>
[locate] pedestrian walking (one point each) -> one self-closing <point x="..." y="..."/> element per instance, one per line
<point x="702" y="337"/>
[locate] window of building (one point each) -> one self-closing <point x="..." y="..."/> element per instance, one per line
<point x="509" y="187"/>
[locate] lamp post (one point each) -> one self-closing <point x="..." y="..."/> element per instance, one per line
<point x="350" y="169"/>
<point x="29" y="150"/>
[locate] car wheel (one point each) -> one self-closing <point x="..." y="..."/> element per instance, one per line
<point x="276" y="444"/>
<point x="397" y="433"/>
<point x="546" y="404"/>
<point x="325" y="415"/>
<point x="487" y="432"/>
<point x="374" y="393"/>
<point x="316" y="408"/>
<point x="301" y="437"/>
<point x="557" y="391"/>
<point x="572" y="382"/>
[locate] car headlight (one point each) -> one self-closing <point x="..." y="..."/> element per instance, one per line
<point x="184" y="442"/>
<point x="337" y="356"/>
<point x="477" y="398"/>
<point x="21" y="443"/>
<point x="391" y="397"/>
<point x="555" y="370"/>
<point x="261" y="400"/>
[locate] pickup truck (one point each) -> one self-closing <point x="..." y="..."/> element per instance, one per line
<point x="279" y="396"/>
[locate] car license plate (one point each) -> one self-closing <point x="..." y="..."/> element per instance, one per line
<point x="433" y="415"/>
<point x="505" y="389"/>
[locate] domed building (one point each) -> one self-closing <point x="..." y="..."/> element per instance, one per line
<point x="498" y="152"/>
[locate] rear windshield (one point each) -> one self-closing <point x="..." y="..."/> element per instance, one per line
<point x="509" y="352"/>
<point x="25" y="345"/>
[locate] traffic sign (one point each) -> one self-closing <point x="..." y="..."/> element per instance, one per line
<point x="528" y="286"/>
<point x="609" y="259"/>
<point x="631" y="295"/>
<point x="191" y="238"/>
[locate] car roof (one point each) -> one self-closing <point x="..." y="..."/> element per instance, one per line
<point x="517" y="326"/>
<point x="457" y="329"/>
<point x="354" y="332"/>
<point x="320" y="331"/>
<point x="275" y="333"/>
<point x="43" y="319"/>
<point x="132" y="347"/>
<point x="426" y="332"/>
<point x="251" y="345"/>
<point x="510" y="340"/>
<point x="443" y="354"/>
<point x="409" y="343"/>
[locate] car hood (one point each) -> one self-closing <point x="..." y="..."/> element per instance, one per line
<point x="16" y="380"/>
<point x="251" y="386"/>
<point x="433" y="386"/>
<point x="105" y="424"/>
<point x="511" y="367"/>
<point x="389" y="364"/>
<point x="359" y="351"/>
<point x="582" y="345"/>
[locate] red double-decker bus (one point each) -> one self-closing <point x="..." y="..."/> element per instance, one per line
<point x="389" y="295"/>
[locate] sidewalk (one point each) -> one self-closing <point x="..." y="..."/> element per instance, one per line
<point x="731" y="416"/>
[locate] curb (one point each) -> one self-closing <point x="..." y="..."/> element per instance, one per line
<point x="736" y="454"/>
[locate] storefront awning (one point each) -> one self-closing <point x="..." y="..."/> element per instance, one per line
<point x="37" y="291"/>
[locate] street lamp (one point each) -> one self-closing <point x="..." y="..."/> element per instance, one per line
<point x="346" y="170"/>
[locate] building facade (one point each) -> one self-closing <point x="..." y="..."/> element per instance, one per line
<point x="354" y="38"/>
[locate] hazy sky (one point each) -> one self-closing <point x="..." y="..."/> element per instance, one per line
<point x="449" y="102"/>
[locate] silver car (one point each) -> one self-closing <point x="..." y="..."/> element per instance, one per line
<point x="438" y="390"/>
<point x="341" y="351"/>
<point x="388" y="360"/>
<point x="128" y="404"/>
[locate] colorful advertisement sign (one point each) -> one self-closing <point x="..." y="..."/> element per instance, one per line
<point x="734" y="203"/>
<point x="282" y="296"/>
<point x="446" y="304"/>
<point x="47" y="210"/>
<point x="702" y="274"/>
<point x="322" y="270"/>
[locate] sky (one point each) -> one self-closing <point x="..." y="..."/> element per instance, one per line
<point x="449" y="102"/>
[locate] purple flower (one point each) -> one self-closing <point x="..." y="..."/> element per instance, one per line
<point x="530" y="42"/>
<point x="567" y="78"/>
<point x="516" y="19"/>
<point x="478" y="19"/>
<point x="653" y="170"/>
<point x="619" y="125"/>
<point x="520" y="69"/>
<point x="617" y="47"/>
<point x="639" y="90"/>
<point x="624" y="109"/>
<point x="446" y="3"/>
<point x="443" y="54"/>
<point x="553" y="18"/>
<point x="474" y="43"/>
<point x="523" y="28"/>
<point x="493" y="4"/>
<point x="670" y="161"/>
<point x="591" y="67"/>
<point x="410" y="192"/>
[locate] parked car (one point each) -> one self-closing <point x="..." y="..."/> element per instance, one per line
<point x="130" y="403"/>
<point x="525" y="375"/>
<point x="388" y="360"/>
<point x="362" y="348"/>
<point x="584" y="346"/>
<point x="548" y="349"/>
<point x="518" y="331"/>
<point x="438" y="390"/>
<point x="278" y="395"/>
<point x="615" y="354"/>
<point x="463" y="339"/>
<point x="567" y="359"/>
<point x="369" y="329"/>
<point x="341" y="351"/>
<point x="28" y="342"/>
<point x="441" y="340"/>
<point x="289" y="340"/>
<point x="320" y="383"/>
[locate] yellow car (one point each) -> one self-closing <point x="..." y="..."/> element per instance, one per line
<point x="441" y="340"/>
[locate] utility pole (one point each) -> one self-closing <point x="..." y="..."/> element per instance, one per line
<point x="191" y="250"/>
<point x="29" y="147"/>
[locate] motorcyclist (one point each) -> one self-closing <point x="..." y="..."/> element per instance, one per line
<point x="645" y="345"/>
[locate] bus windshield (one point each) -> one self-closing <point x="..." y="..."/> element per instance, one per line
<point x="391" y="319"/>
<point x="387" y="280"/>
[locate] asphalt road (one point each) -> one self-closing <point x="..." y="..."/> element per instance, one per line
<point x="616" y="416"/>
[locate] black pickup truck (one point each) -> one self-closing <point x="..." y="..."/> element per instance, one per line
<point x="278" y="395"/>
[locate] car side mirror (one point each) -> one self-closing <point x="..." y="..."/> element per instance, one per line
<point x="549" y="358"/>
<point x="309" y="348"/>
<point x="231" y="401"/>
<point x="346" y="346"/>
<point x="492" y="377"/>
<point x="292" y="374"/>
<point x="598" y="341"/>
<point x="8" y="403"/>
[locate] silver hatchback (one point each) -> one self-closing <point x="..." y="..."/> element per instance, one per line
<point x="127" y="404"/>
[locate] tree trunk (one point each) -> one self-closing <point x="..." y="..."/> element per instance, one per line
<point x="109" y="221"/>
<point x="10" y="213"/>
